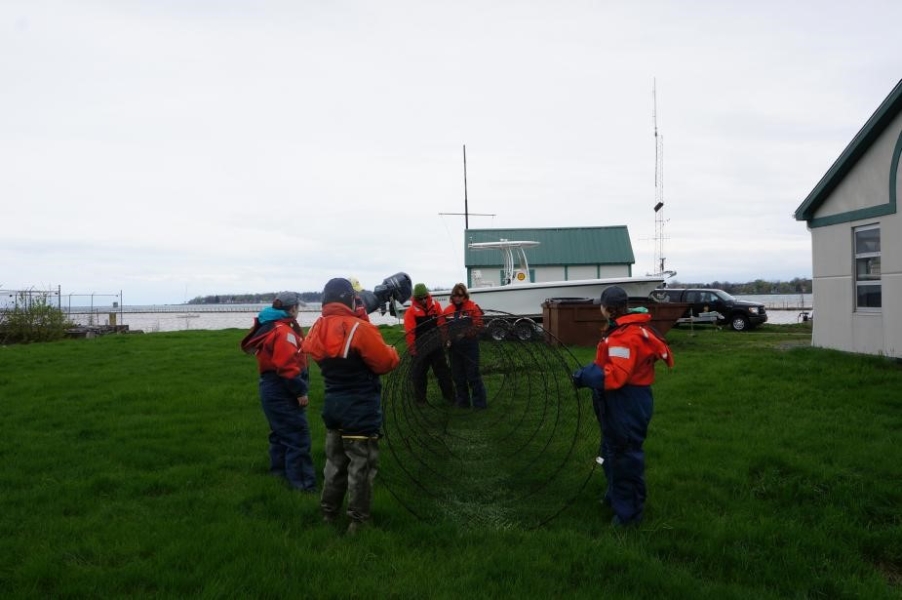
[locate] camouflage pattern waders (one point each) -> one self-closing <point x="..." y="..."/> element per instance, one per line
<point x="350" y="466"/>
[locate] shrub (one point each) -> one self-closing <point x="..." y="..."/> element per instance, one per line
<point x="35" y="321"/>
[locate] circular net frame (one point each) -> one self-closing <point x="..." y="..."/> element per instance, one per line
<point x="519" y="462"/>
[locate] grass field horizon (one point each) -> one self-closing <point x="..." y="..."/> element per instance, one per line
<point x="136" y="465"/>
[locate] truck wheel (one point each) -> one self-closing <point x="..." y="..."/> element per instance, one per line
<point x="739" y="323"/>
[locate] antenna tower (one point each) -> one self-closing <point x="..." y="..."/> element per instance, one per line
<point x="659" y="187"/>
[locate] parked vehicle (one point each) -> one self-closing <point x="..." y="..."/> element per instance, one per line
<point x="739" y="314"/>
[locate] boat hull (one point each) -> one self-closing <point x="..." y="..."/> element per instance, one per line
<point x="525" y="300"/>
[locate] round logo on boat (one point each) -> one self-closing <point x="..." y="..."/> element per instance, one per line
<point x="521" y="276"/>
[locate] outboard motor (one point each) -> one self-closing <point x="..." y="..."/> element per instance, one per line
<point x="394" y="290"/>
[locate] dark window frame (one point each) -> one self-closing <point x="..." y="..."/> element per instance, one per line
<point x="866" y="270"/>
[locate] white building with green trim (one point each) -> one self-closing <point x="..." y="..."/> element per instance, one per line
<point x="563" y="253"/>
<point x="856" y="239"/>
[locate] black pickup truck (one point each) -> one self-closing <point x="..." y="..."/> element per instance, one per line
<point x="740" y="314"/>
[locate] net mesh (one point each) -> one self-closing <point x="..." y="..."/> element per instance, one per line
<point x="519" y="462"/>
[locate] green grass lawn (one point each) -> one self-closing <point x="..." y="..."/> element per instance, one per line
<point x="136" y="465"/>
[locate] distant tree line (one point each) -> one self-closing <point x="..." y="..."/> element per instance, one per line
<point x="250" y="298"/>
<point x="753" y="288"/>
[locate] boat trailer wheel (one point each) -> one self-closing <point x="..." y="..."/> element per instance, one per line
<point x="498" y="329"/>
<point x="501" y="328"/>
<point x="524" y="329"/>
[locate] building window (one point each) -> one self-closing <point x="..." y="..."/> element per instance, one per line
<point x="868" y="296"/>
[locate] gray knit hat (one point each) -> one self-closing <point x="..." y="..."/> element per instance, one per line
<point x="286" y="300"/>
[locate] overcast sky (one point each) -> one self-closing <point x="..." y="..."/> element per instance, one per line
<point x="172" y="149"/>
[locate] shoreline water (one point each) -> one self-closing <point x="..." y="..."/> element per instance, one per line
<point x="189" y="319"/>
<point x="782" y="309"/>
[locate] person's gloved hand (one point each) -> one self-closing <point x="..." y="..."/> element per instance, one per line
<point x="590" y="376"/>
<point x="577" y="378"/>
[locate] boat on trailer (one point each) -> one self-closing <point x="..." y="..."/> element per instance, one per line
<point x="518" y="297"/>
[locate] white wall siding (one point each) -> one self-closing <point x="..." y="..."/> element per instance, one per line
<point x="614" y="271"/>
<point x="832" y="312"/>
<point x="866" y="184"/>
<point x="867" y="333"/>
<point x="559" y="273"/>
<point x="582" y="272"/>
<point x="832" y="247"/>
<point x="836" y="323"/>
<point x="549" y="274"/>
<point x="892" y="314"/>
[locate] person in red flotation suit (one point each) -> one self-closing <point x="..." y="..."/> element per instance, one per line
<point x="463" y="318"/>
<point x="275" y="339"/>
<point x="620" y="378"/>
<point x="424" y="331"/>
<point x="351" y="355"/>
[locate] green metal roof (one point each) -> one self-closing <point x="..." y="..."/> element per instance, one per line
<point x="863" y="140"/>
<point x="557" y="246"/>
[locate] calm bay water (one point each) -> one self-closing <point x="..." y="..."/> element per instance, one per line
<point x="187" y="317"/>
<point x="782" y="301"/>
<point x="781" y="309"/>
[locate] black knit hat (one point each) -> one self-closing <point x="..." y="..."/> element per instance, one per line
<point x="613" y="296"/>
<point x="339" y="290"/>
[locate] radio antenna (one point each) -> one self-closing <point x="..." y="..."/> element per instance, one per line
<point x="659" y="186"/>
<point x="466" y="213"/>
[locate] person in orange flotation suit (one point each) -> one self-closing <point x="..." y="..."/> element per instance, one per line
<point x="424" y="332"/>
<point x="463" y="318"/>
<point x="351" y="355"/>
<point x="275" y="339"/>
<point x="620" y="378"/>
